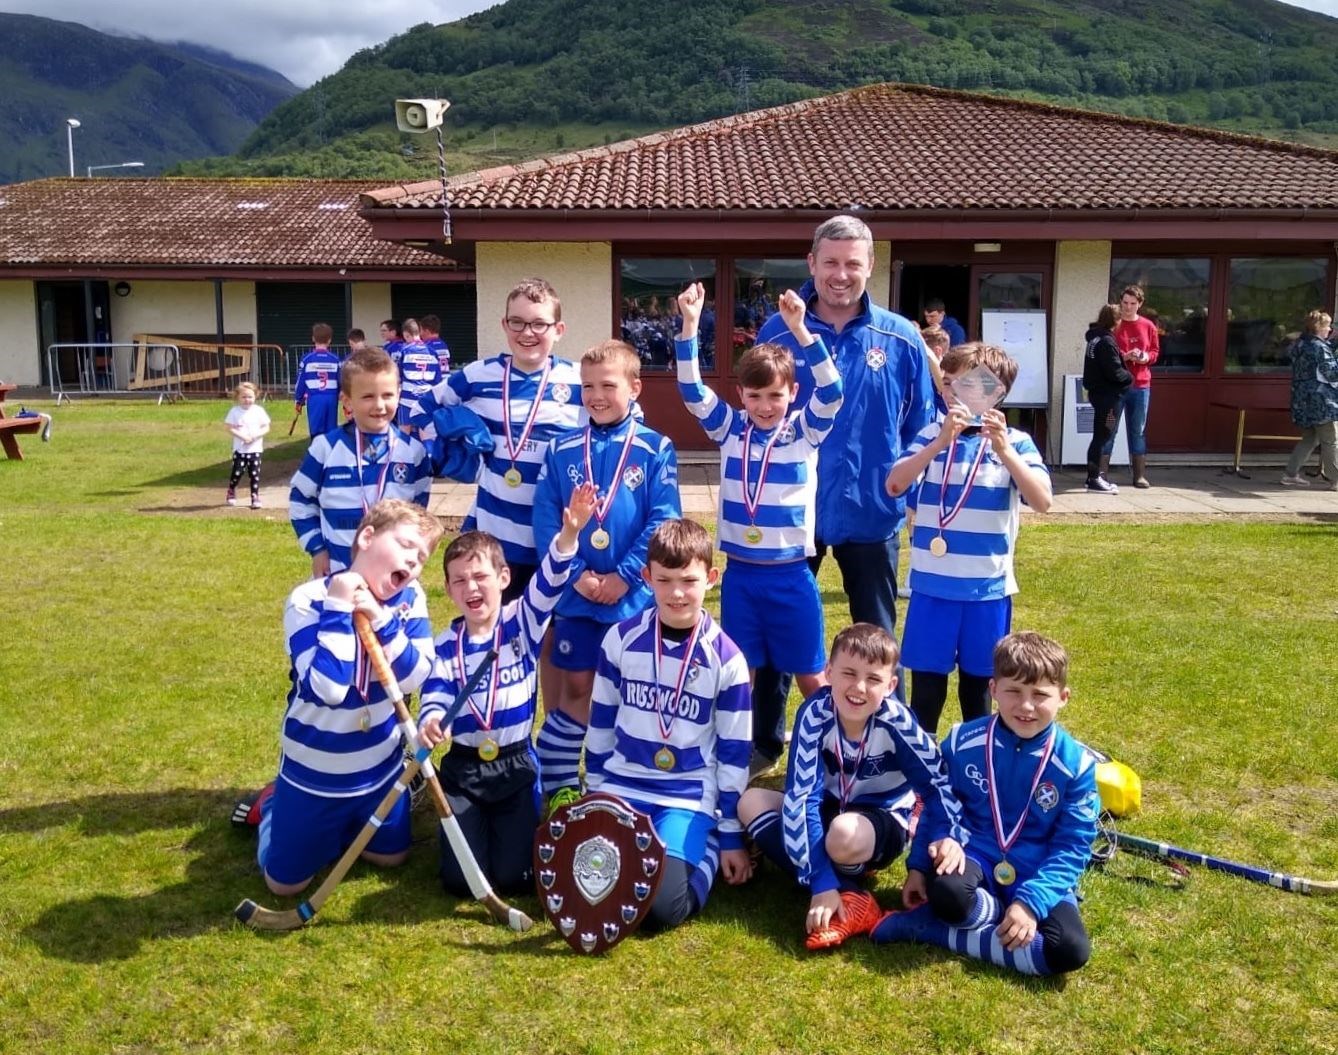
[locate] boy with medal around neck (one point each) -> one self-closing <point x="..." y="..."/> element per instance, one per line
<point x="972" y="473"/>
<point x="769" y="604"/>
<point x="526" y="396"/>
<point x="671" y="724"/>
<point x="635" y="471"/>
<point x="1029" y="798"/>
<point x="348" y="470"/>
<point x="490" y="771"/>
<point x="858" y="759"/>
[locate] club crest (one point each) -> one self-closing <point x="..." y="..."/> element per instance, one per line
<point x="633" y="477"/>
<point x="561" y="392"/>
<point x="876" y="358"/>
<point x="1047" y="796"/>
<point x="400" y="472"/>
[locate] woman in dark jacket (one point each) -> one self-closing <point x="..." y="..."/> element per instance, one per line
<point x="1106" y="379"/>
<point x="1314" y="402"/>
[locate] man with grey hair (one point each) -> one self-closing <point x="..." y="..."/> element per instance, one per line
<point x="889" y="397"/>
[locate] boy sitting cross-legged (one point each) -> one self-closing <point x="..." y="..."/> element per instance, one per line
<point x="340" y="739"/>
<point x="1028" y="791"/>
<point x="670" y="724"/>
<point x="857" y="760"/>
<point x="490" y="772"/>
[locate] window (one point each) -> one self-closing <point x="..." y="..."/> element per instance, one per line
<point x="758" y="284"/>
<point x="1176" y="289"/>
<point x="1267" y="301"/>
<point x="649" y="308"/>
<point x="1003" y="290"/>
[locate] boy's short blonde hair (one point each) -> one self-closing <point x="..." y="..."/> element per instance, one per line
<point x="868" y="642"/>
<point x="365" y="361"/>
<point x="963" y="357"/>
<point x="536" y="291"/>
<point x="245" y="386"/>
<point x="678" y="543"/>
<point x="467" y="545"/>
<point x="392" y="512"/>
<point x="764" y="365"/>
<point x="619" y="353"/>
<point x="936" y="337"/>
<point x="1031" y="658"/>
<point x="409" y="328"/>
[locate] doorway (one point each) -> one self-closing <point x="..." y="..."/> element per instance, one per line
<point x="950" y="283"/>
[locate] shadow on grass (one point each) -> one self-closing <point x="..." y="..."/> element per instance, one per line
<point x="279" y="462"/>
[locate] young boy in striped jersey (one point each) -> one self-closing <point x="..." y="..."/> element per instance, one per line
<point x="857" y="761"/>
<point x="1029" y="797"/>
<point x="976" y="471"/>
<point x="769" y="604"/>
<point x="490" y="772"/>
<point x="340" y="742"/>
<point x="318" y="383"/>
<point x="670" y="725"/>
<point x="419" y="372"/>
<point x="635" y="471"/>
<point x="430" y="325"/>
<point x="526" y="397"/>
<point x="350" y="469"/>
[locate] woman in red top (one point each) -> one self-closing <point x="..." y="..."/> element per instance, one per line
<point x="1139" y="345"/>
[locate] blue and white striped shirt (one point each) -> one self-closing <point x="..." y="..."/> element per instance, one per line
<point x="523" y="623"/>
<point x="419" y="371"/>
<point x="503" y="511"/>
<point x="784" y="509"/>
<point x="712" y="726"/>
<point x="331" y="492"/>
<point x="317" y="376"/>
<point x="898" y="760"/>
<point x="325" y="749"/>
<point x="437" y="347"/>
<point x="979" y="563"/>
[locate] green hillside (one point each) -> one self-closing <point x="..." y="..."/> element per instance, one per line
<point x="136" y="100"/>
<point x="532" y="76"/>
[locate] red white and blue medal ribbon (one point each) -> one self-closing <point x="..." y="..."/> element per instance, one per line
<point x="514" y="449"/>
<point x="1003" y="871"/>
<point x="667" y="725"/>
<point x="484" y="718"/>
<point x="847" y="784"/>
<point x="602" y="507"/>
<point x="380" y="486"/>
<point x="752" y="498"/>
<point x="947" y="516"/>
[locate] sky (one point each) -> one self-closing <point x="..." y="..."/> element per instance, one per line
<point x="302" y="39"/>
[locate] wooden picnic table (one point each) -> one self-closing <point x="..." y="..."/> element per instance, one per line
<point x="11" y="428"/>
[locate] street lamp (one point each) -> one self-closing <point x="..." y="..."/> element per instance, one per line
<point x="123" y="165"/>
<point x="71" y="123"/>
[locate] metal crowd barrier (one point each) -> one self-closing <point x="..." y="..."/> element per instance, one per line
<point x="114" y="369"/>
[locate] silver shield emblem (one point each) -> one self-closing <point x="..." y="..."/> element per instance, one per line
<point x="596" y="867"/>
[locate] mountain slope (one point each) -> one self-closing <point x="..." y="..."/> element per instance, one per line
<point x="136" y="100"/>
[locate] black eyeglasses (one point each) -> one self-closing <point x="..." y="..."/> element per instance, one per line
<point x="538" y="327"/>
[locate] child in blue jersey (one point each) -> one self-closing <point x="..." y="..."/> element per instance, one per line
<point x="318" y="383"/>
<point x="419" y="372"/>
<point x="391" y="341"/>
<point x="670" y="725"/>
<point x="972" y="473"/>
<point x="857" y="761"/>
<point x="1029" y="799"/>
<point x="769" y="605"/>
<point x="350" y="469"/>
<point x="636" y="472"/>
<point x="526" y="397"/>
<point x="341" y="743"/>
<point x="490" y="772"/>
<point x="430" y="326"/>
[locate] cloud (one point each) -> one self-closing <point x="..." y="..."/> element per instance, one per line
<point x="302" y="39"/>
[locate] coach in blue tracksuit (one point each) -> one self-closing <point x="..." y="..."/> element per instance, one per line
<point x="889" y="397"/>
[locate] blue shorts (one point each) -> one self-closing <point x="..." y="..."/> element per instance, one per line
<point x="301" y="833"/>
<point x="576" y="642"/>
<point x="939" y="635"/>
<point x="773" y="612"/>
<point x="683" y="832"/>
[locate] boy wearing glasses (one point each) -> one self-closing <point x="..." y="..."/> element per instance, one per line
<point x="525" y="396"/>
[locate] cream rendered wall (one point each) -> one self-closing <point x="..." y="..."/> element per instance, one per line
<point x="182" y="307"/>
<point x="1082" y="282"/>
<point x="581" y="272"/>
<point x="20" y="357"/>
<point x="371" y="304"/>
<point x="880" y="281"/>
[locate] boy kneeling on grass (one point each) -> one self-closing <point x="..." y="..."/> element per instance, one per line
<point x="1029" y="794"/>
<point x="340" y="740"/>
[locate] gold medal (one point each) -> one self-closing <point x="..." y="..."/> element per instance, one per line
<point x="1005" y="874"/>
<point x="599" y="538"/>
<point x="488" y="750"/>
<point x="512" y="477"/>
<point x="365" y="720"/>
<point x="664" y="759"/>
<point x="753" y="535"/>
<point x="938" y="545"/>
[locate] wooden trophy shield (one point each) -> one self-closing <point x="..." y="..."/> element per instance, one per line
<point x="597" y="866"/>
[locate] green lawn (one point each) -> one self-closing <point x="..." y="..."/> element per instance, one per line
<point x="141" y="685"/>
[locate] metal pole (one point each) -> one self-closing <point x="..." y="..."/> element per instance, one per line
<point x="220" y="333"/>
<point x="348" y="311"/>
<point x="69" y="135"/>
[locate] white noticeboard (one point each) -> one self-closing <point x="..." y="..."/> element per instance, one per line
<point x="1022" y="334"/>
<point x="1078" y="415"/>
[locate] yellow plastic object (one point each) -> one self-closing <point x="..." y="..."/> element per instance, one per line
<point x="1120" y="787"/>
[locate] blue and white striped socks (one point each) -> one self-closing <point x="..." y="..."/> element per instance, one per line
<point x="979" y="942"/>
<point x="559" y="749"/>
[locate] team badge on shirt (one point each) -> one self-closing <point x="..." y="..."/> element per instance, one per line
<point x="876" y="358"/>
<point x="561" y="392"/>
<point x="786" y="434"/>
<point x="401" y="472"/>
<point x="1047" y="796"/>
<point x="634" y="477"/>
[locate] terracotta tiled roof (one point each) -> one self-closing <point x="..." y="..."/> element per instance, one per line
<point x="195" y="222"/>
<point x="907" y="147"/>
